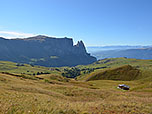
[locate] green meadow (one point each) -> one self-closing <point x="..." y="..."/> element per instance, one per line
<point x="94" y="91"/>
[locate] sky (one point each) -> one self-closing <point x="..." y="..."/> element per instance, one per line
<point x="96" y="22"/>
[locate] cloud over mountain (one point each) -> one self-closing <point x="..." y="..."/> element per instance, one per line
<point x="12" y="34"/>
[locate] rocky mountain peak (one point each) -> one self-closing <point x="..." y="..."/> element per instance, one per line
<point x="45" y="51"/>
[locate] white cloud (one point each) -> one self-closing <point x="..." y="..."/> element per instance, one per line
<point x="11" y="34"/>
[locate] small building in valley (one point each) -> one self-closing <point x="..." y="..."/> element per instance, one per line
<point x="123" y="86"/>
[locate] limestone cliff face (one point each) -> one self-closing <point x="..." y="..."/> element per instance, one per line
<point x="45" y="51"/>
<point x="80" y="48"/>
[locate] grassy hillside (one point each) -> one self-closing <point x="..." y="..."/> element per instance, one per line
<point x="145" y="67"/>
<point x="117" y="62"/>
<point x="22" y="95"/>
<point x="124" y="73"/>
<point x="19" y="68"/>
<point x="21" y="92"/>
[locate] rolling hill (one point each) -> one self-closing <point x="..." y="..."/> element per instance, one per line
<point x="23" y="92"/>
<point x="124" y="73"/>
<point x="112" y="65"/>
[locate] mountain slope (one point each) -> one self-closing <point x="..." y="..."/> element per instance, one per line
<point x="124" y="73"/>
<point x="54" y="94"/>
<point x="45" y="51"/>
<point x="144" y="66"/>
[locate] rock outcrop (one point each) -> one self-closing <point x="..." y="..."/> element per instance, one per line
<point x="45" y="51"/>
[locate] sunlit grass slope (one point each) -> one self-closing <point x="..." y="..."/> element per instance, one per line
<point x="117" y="62"/>
<point x="124" y="73"/>
<point x="22" y="95"/>
<point x="113" y="65"/>
<point x="12" y="67"/>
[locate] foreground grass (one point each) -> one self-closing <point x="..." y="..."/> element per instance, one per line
<point x="61" y="96"/>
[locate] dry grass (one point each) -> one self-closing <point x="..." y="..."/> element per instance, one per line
<point x="125" y="73"/>
<point x="22" y="96"/>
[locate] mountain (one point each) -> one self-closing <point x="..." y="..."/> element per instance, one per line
<point x="93" y="49"/>
<point x="45" y="51"/>
<point x="142" y="53"/>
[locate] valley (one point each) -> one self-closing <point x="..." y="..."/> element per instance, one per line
<point x="76" y="57"/>
<point x="53" y="93"/>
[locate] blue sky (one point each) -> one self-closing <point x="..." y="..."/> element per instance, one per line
<point x="96" y="22"/>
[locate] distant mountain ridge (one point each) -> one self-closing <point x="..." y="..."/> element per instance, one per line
<point x="45" y="51"/>
<point x="93" y="49"/>
<point x="141" y="53"/>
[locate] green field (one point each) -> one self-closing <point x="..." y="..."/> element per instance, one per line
<point x="12" y="67"/>
<point x="145" y="66"/>
<point x="21" y="92"/>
